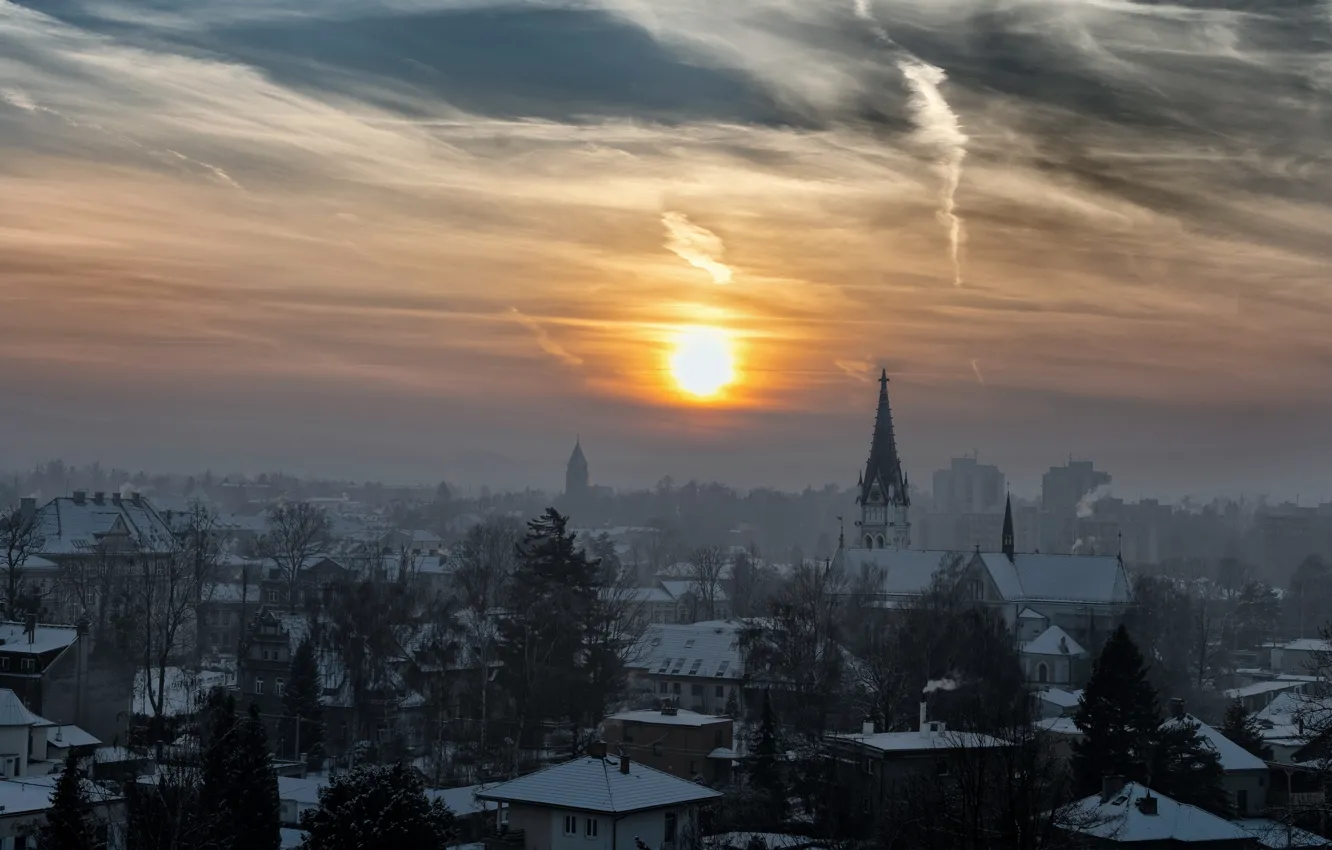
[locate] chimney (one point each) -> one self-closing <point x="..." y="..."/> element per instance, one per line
<point x="867" y="728"/>
<point x="1147" y="804"/>
<point x="80" y="497"/>
<point x="1111" y="785"/>
<point x="137" y="498"/>
<point x="115" y="499"/>
<point x="99" y="498"/>
<point x="624" y="763"/>
<point x="84" y="649"/>
<point x="597" y="749"/>
<point x="924" y="723"/>
<point x="28" y="506"/>
<point x="1177" y="708"/>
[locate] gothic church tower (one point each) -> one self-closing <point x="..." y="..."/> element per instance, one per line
<point x="884" y="499"/>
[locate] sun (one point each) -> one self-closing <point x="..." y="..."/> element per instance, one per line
<point x="702" y="362"/>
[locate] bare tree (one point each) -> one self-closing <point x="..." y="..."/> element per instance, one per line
<point x="297" y="532"/>
<point x="706" y="564"/>
<point x="20" y="539"/>
<point x="92" y="581"/>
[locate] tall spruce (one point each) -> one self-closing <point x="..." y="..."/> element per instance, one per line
<point x="69" y="823"/>
<point x="1243" y="729"/>
<point x="300" y="702"/>
<point x="239" y="789"/>
<point x="377" y="807"/>
<point x="544" y="646"/>
<point x="1118" y="717"/>
<point x="766" y="767"/>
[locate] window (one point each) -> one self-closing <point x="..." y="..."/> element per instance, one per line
<point x="721" y="668"/>
<point x="1042" y="673"/>
<point x="669" y="834"/>
<point x="590" y="828"/>
<point x="628" y="733"/>
<point x="20" y="842"/>
<point x="693" y="669"/>
<point x="662" y="687"/>
<point x="1242" y="801"/>
<point x="696" y="690"/>
<point x="693" y="768"/>
<point x="272" y="596"/>
<point x="689" y="644"/>
<point x="259" y="686"/>
<point x="265" y="654"/>
<point x="675" y="688"/>
<point x="665" y="665"/>
<point x="29" y="665"/>
<point x="717" y="739"/>
<point x="941" y="767"/>
<point x="4" y="663"/>
<point x="721" y="692"/>
<point x="279" y="687"/>
<point x="571" y="824"/>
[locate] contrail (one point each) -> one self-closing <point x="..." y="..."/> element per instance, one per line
<point x="697" y="246"/>
<point x="938" y="128"/>
<point x="858" y="369"/>
<point x="548" y="345"/>
<point x="975" y="367"/>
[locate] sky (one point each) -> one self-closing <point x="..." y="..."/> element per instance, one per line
<point x="414" y="240"/>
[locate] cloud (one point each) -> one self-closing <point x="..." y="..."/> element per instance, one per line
<point x="696" y="245"/>
<point x="858" y="369"/>
<point x="940" y="131"/>
<point x="543" y="338"/>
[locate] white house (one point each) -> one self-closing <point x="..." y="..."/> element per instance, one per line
<point x="1247" y="776"/>
<point x="1053" y="658"/>
<point x="600" y="804"/>
<point x="1132" y="814"/>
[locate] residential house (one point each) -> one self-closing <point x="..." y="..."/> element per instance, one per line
<point x="27" y="768"/>
<point x="316" y="573"/>
<point x="1300" y="657"/>
<point x="872" y="766"/>
<point x="1129" y="814"/>
<point x="692" y="604"/>
<point x="1246" y="777"/>
<point x="599" y="804"/>
<point x="417" y="542"/>
<point x="692" y="746"/>
<point x="1056" y="702"/>
<point x="223" y="613"/>
<point x="61" y="672"/>
<point x="697" y="666"/>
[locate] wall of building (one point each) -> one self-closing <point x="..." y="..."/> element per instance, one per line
<point x="1253" y="784"/>
<point x="109" y="692"/>
<point x="675" y="749"/>
<point x="543" y="828"/>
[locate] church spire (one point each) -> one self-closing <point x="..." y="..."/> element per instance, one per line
<point x="1009" y="546"/>
<point x="884" y="468"/>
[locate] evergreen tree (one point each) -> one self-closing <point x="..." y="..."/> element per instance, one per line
<point x="377" y="807"/>
<point x="300" y="702"/>
<point x="239" y="790"/>
<point x="69" y="824"/>
<point x="766" y="766"/>
<point x="1186" y="769"/>
<point x="1118" y="718"/>
<point x="1239" y="727"/>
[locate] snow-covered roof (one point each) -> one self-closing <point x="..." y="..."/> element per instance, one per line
<point x="901" y="572"/>
<point x="771" y="840"/>
<point x="1309" y="645"/>
<point x="677" y="589"/>
<point x="1260" y="688"/>
<point x="597" y="785"/>
<point x="1121" y="819"/>
<point x="1030" y="614"/>
<point x="461" y="801"/>
<point x="1278" y="836"/>
<point x="905" y="742"/>
<point x="681" y="717"/>
<point x="1233" y="757"/>
<point x="709" y="650"/>
<point x="1053" y="641"/>
<point x="1099" y="579"/>
<point x="650" y="595"/>
<point x="14" y="638"/>
<point x="183" y="689"/>
<point x="1060" y="697"/>
<point x="70" y="736"/>
<point x="13" y="712"/>
<point x="69" y="526"/>
<point x="229" y="593"/>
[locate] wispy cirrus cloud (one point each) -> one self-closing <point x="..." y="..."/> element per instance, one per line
<point x="697" y="246"/>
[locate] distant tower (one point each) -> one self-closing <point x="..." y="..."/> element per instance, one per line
<point x="1009" y="545"/>
<point x="575" y="475"/>
<point x="884" y="498"/>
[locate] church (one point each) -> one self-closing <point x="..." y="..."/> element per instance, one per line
<point x="1059" y="607"/>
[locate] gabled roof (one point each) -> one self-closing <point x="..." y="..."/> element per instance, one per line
<point x="46" y="638"/>
<point x="908" y="742"/>
<point x="13" y="712"/>
<point x="709" y="650"/>
<point x="1030" y="614"/>
<point x="1034" y="577"/>
<point x="1233" y="757"/>
<point x="70" y="527"/>
<point x="677" y="589"/>
<point x="1121" y="819"/>
<point x="597" y="785"/>
<point x="1060" y="697"/>
<point x="680" y="718"/>
<point x="1053" y="641"/>
<point x="1278" y="836"/>
<point x="70" y="736"/>
<point x="901" y="572"/>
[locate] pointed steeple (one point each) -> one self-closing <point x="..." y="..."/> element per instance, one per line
<point x="1009" y="545"/>
<point x="884" y="468"/>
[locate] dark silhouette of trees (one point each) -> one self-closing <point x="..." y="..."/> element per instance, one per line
<point x="375" y="807"/>
<point x="297" y="533"/>
<point x="1244" y="730"/>
<point x="300" y="702"/>
<point x="69" y="823"/>
<point x="20" y="539"/>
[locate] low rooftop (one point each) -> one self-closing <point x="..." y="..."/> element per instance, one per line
<point x="1123" y="817"/>
<point x="601" y="786"/>
<point x="679" y="717"/>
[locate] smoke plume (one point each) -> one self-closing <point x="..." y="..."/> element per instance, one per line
<point x="939" y="130"/>
<point x="945" y="684"/>
<point x="1087" y="504"/>
<point x="697" y="246"/>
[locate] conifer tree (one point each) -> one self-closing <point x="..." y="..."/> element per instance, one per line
<point x="377" y="807"/>
<point x="1239" y="727"/>
<point x="239" y="791"/>
<point x="300" y="702"/>
<point x="765" y="770"/>
<point x="69" y="824"/>
<point x="1118" y="717"/>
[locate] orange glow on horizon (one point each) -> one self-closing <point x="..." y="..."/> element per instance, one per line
<point x="702" y="362"/>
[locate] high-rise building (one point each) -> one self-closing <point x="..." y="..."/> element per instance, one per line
<point x="1063" y="487"/>
<point x="884" y="499"/>
<point x="967" y="487"/>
